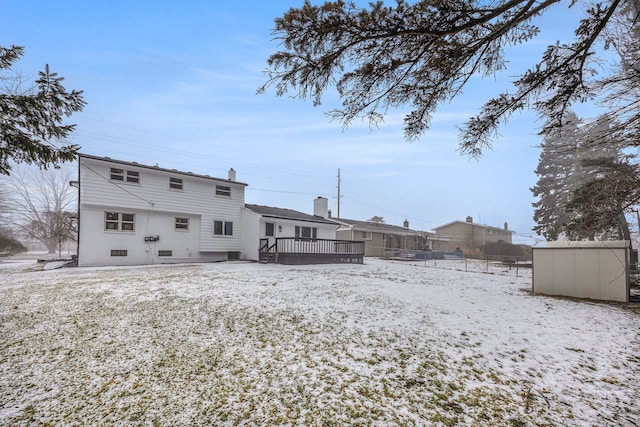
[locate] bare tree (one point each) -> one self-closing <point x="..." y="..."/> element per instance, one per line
<point x="45" y="206"/>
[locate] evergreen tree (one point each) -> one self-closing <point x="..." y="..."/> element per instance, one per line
<point x="32" y="124"/>
<point x="586" y="183"/>
<point x="556" y="171"/>
<point x="609" y="184"/>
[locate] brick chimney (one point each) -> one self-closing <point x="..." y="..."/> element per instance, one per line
<point x="232" y="174"/>
<point x="469" y="219"/>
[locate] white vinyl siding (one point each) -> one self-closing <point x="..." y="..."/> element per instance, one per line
<point x="154" y="196"/>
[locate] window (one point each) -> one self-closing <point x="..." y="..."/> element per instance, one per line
<point x="165" y="253"/>
<point x="118" y="252"/>
<point x="117" y="221"/>
<point x="182" y="223"/>
<point x="117" y="174"/>
<point x="223" y="190"/>
<point x="175" y="183"/>
<point x="223" y="228"/>
<point x="306" y="232"/>
<point x="366" y="235"/>
<point x="269" y="229"/>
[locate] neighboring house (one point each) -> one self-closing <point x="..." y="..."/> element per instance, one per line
<point x="132" y="214"/>
<point x="382" y="239"/>
<point x="470" y="237"/>
<point x="264" y="224"/>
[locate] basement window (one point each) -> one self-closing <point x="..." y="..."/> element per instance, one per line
<point x="118" y="252"/>
<point x="165" y="253"/>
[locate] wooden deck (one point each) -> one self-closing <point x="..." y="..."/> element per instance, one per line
<point x="291" y="250"/>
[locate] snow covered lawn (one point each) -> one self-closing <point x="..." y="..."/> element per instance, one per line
<point x="385" y="343"/>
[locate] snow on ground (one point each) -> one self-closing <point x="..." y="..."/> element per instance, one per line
<point x="384" y="343"/>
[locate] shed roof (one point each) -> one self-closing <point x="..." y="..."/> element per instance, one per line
<point x="583" y="244"/>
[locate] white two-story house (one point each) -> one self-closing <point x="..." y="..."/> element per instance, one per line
<point x="131" y="214"/>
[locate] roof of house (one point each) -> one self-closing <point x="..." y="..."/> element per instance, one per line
<point x="488" y="227"/>
<point x="157" y="168"/>
<point x="283" y="213"/>
<point x="379" y="227"/>
<point x="565" y="244"/>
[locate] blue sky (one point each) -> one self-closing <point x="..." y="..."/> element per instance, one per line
<point x="174" y="83"/>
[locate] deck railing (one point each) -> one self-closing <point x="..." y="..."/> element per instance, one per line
<point x="292" y="250"/>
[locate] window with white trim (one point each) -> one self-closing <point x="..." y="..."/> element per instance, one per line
<point x="118" y="221"/>
<point x="175" y="183"/>
<point x="269" y="229"/>
<point x="306" y="232"/>
<point x="223" y="190"/>
<point x="222" y="228"/>
<point x="366" y="235"/>
<point x="182" y="223"/>
<point x="123" y="175"/>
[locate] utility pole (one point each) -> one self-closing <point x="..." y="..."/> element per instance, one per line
<point x="338" y="192"/>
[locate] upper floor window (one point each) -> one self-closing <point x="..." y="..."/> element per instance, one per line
<point x="175" y="183"/>
<point x="118" y="221"/>
<point x="117" y="174"/>
<point x="306" y="232"/>
<point x="182" y="223"/>
<point x="366" y="235"/>
<point x="223" y="190"/>
<point x="223" y="228"/>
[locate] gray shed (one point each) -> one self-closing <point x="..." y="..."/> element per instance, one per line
<point x="594" y="270"/>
